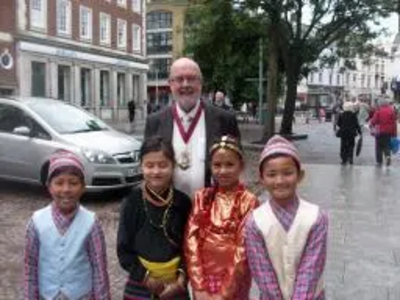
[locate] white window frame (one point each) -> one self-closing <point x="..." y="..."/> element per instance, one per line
<point x="105" y="40"/>
<point x="121" y="33"/>
<point x="136" y="38"/>
<point x="38" y="14"/>
<point x="137" y="6"/>
<point x="89" y="23"/>
<point x="121" y="3"/>
<point x="60" y="4"/>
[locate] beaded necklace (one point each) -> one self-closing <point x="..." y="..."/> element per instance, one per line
<point x="147" y="195"/>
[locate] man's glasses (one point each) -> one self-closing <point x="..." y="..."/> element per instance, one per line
<point x="182" y="79"/>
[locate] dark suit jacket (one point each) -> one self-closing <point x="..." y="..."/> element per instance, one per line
<point x="218" y="123"/>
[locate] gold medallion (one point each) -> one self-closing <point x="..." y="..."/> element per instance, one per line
<point x="184" y="160"/>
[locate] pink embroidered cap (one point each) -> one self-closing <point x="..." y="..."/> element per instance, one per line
<point x="64" y="159"/>
<point x="279" y="145"/>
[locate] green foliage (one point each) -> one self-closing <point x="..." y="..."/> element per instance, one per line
<point x="224" y="40"/>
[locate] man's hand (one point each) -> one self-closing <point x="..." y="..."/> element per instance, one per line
<point x="155" y="286"/>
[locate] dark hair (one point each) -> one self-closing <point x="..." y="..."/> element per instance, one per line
<point x="156" y="144"/>
<point x="277" y="155"/>
<point x="71" y="170"/>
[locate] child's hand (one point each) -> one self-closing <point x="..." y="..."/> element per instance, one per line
<point x="155" y="286"/>
<point x="171" y="290"/>
<point x="174" y="288"/>
<point x="201" y="295"/>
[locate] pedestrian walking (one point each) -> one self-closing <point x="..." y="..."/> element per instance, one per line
<point x="286" y="237"/>
<point x="151" y="229"/>
<point x="191" y="125"/>
<point x="348" y="129"/>
<point x="65" y="253"/>
<point x="214" y="250"/>
<point x="384" y="127"/>
<point x="131" y="112"/>
<point x="219" y="100"/>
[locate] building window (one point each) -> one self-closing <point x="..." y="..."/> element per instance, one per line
<point x="320" y="77"/>
<point x="338" y="79"/>
<point x="159" y="20"/>
<point x="104" y="88"/>
<point x="121" y="3"/>
<point x="86" y="23"/>
<point x="369" y="81"/>
<point x="85" y="87"/>
<point x="105" y="29"/>
<point x="121" y="89"/>
<point x="159" y="69"/>
<point x="38" y="15"/>
<point x="38" y="80"/>
<point x="136" y="6"/>
<point x="64" y="17"/>
<point x="362" y="80"/>
<point x="311" y="77"/>
<point x="347" y="79"/>
<point x="355" y="79"/>
<point x="121" y="33"/>
<point x="159" y="42"/>
<point x="136" y="38"/>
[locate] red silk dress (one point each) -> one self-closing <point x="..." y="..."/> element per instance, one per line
<point x="214" y="244"/>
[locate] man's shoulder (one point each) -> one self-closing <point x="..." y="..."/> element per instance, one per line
<point x="219" y="111"/>
<point x="161" y="114"/>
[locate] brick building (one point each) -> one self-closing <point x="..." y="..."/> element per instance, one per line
<point x="88" y="52"/>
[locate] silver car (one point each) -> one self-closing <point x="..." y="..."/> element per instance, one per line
<point x="32" y="129"/>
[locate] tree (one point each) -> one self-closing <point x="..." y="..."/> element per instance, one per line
<point x="301" y="41"/>
<point x="224" y="41"/>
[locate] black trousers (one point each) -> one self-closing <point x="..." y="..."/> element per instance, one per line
<point x="382" y="147"/>
<point x="347" y="149"/>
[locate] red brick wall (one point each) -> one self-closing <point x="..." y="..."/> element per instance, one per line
<point x="8" y="25"/>
<point x="97" y="6"/>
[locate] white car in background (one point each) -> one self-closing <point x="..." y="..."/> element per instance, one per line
<point x="32" y="129"/>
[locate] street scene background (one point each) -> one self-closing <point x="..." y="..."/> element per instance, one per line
<point x="362" y="202"/>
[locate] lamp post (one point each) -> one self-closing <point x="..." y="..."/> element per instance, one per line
<point x="154" y="68"/>
<point x="260" y="81"/>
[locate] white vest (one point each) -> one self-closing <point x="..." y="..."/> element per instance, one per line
<point x="64" y="265"/>
<point x="285" y="249"/>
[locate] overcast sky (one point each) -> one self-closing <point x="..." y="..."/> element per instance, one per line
<point x="392" y="24"/>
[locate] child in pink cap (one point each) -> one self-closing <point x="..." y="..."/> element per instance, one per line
<point x="286" y="237"/>
<point x="65" y="253"/>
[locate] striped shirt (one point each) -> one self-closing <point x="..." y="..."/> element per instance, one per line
<point x="95" y="247"/>
<point x="311" y="265"/>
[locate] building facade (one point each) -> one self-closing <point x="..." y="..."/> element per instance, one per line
<point x="368" y="80"/>
<point x="87" y="52"/>
<point x="165" y="42"/>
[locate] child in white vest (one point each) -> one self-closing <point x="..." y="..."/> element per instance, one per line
<point x="65" y="253"/>
<point x="286" y="237"/>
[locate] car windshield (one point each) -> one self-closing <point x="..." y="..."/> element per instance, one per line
<point x="65" y="118"/>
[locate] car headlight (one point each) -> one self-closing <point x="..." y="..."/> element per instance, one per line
<point x="98" y="157"/>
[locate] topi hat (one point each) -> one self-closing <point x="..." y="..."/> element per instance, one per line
<point x="64" y="159"/>
<point x="279" y="145"/>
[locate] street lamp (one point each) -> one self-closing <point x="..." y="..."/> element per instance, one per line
<point x="154" y="67"/>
